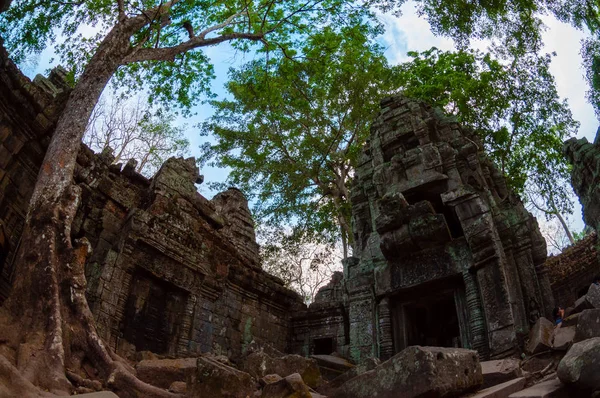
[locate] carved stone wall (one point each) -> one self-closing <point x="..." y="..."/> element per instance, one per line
<point x="585" y="176"/>
<point x="445" y="254"/>
<point x="572" y="271"/>
<point x="170" y="271"/>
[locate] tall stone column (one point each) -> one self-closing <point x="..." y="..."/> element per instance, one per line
<point x="386" y="338"/>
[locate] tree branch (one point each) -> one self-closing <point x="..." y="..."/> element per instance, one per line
<point x="169" y="53"/>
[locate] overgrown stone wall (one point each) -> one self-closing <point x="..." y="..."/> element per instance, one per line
<point x="170" y="271"/>
<point x="572" y="271"/>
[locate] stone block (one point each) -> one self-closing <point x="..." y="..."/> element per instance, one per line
<point x="418" y="372"/>
<point x="593" y="295"/>
<point x="570" y="320"/>
<point x="99" y="394"/>
<point x="213" y="379"/>
<point x="500" y="371"/>
<point x="563" y="337"/>
<point x="588" y="325"/>
<point x="291" y="386"/>
<point x="502" y="390"/>
<point x="259" y="364"/>
<point x="579" y="367"/>
<point x="163" y="372"/>
<point x="581" y="304"/>
<point x="546" y="389"/>
<point x="540" y="336"/>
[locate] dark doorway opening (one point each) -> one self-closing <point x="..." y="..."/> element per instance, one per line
<point x="153" y="314"/>
<point x="323" y="346"/>
<point x="429" y="321"/>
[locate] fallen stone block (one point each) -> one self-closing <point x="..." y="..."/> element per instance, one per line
<point x="163" y="372"/>
<point x="502" y="390"/>
<point x="571" y="320"/>
<point x="418" y="371"/>
<point x="581" y="304"/>
<point x="588" y="325"/>
<point x="500" y="371"/>
<point x="593" y="295"/>
<point x="178" y="387"/>
<point x="213" y="379"/>
<point x="99" y="394"/>
<point x="540" y="337"/>
<point x="259" y="364"/>
<point x="363" y="366"/>
<point x="332" y="366"/>
<point x="581" y="366"/>
<point x="563" y="337"/>
<point x="270" y="379"/>
<point x="546" y="389"/>
<point x="291" y="386"/>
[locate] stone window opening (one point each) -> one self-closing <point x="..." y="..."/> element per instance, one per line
<point x="323" y="346"/>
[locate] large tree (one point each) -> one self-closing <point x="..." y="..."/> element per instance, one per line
<point x="46" y="322"/>
<point x="292" y="132"/>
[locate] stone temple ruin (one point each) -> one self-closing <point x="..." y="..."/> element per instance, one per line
<point x="445" y="254"/>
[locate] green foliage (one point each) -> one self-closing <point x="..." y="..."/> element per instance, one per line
<point x="513" y="106"/>
<point x="293" y="131"/>
<point x="181" y="75"/>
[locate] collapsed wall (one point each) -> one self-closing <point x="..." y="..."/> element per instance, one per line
<point x="170" y="271"/>
<point x="445" y="254"/>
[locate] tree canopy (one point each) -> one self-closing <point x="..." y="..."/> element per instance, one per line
<point x="293" y="129"/>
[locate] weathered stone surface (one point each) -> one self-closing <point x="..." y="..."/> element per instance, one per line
<point x="572" y="271"/>
<point x="593" y="295"/>
<point x="588" y="325"/>
<point x="99" y="394"/>
<point x="540" y="336"/>
<point x="571" y="320"/>
<point x="500" y="371"/>
<point x="581" y="304"/>
<point x="291" y="386"/>
<point x="164" y="372"/>
<point x="213" y="379"/>
<point x="260" y="364"/>
<point x="546" y="389"/>
<point x="580" y="366"/>
<point x="418" y="371"/>
<point x="585" y="177"/>
<point x="364" y="366"/>
<point x="502" y="390"/>
<point x="334" y="362"/>
<point x="268" y="379"/>
<point x="178" y="387"/>
<point x="563" y="337"/>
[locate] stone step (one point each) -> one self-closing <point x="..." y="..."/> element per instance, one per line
<point x="546" y="389"/>
<point x="502" y="390"/>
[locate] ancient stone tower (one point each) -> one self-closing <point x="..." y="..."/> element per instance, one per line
<point x="445" y="254"/>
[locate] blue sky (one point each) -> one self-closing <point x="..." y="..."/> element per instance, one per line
<point x="408" y="32"/>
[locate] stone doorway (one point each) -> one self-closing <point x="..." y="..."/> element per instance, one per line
<point x="429" y="319"/>
<point x="323" y="346"/>
<point x="153" y="314"/>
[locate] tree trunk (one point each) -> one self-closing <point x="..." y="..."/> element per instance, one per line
<point x="46" y="321"/>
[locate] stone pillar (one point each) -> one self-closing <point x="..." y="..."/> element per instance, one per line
<point x="386" y="338"/>
<point x="489" y="268"/>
